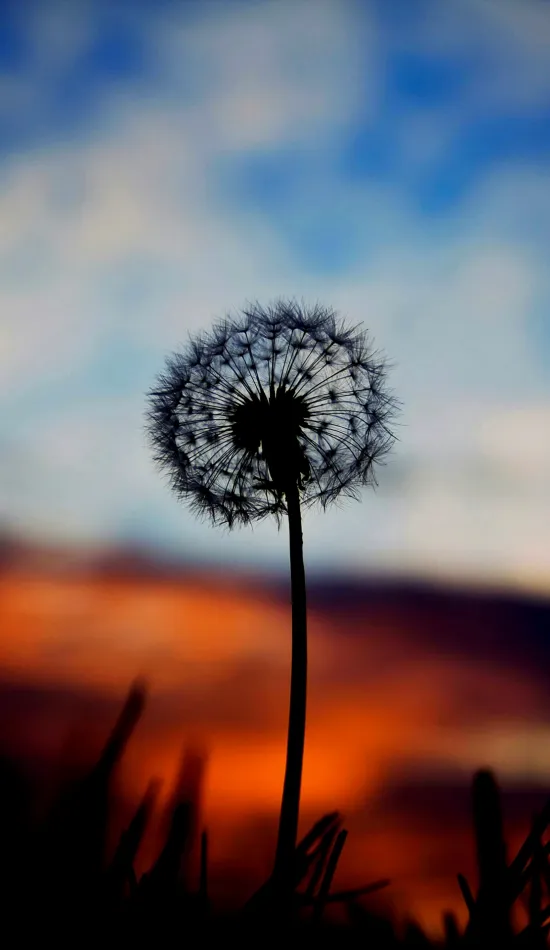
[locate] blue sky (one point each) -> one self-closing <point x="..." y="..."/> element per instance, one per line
<point x="162" y="163"/>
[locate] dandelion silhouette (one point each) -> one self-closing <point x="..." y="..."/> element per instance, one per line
<point x="279" y="408"/>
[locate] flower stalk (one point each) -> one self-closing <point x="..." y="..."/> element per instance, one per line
<point x="284" y="870"/>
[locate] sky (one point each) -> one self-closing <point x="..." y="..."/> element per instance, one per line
<point x="163" y="163"/>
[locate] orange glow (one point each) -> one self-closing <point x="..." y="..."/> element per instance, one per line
<point x="216" y="656"/>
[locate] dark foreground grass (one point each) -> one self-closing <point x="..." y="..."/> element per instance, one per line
<point x="57" y="887"/>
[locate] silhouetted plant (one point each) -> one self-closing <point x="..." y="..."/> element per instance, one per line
<point x="78" y="893"/>
<point x="451" y="929"/>
<point x="121" y="879"/>
<point x="501" y="884"/>
<point x="72" y="843"/>
<point x="277" y="408"/>
<point x="493" y="902"/>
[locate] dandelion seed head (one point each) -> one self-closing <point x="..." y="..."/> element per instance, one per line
<point x="277" y="396"/>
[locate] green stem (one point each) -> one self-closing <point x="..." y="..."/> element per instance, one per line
<point x="284" y="870"/>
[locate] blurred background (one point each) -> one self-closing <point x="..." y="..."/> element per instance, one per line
<point x="162" y="163"/>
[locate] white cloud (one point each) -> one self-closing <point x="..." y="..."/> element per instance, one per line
<point x="512" y="200"/>
<point x="517" y="437"/>
<point x="270" y="75"/>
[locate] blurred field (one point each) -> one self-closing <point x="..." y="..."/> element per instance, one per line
<point x="403" y="706"/>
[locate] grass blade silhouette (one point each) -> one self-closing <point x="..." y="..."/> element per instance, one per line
<point x="492" y="916"/>
<point x="451" y="930"/>
<point x="121" y="874"/>
<point x="328" y="876"/>
<point x="72" y="849"/>
<point x="204" y="898"/>
<point x="307" y="852"/>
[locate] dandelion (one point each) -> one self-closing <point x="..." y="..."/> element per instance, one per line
<point x="280" y="408"/>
